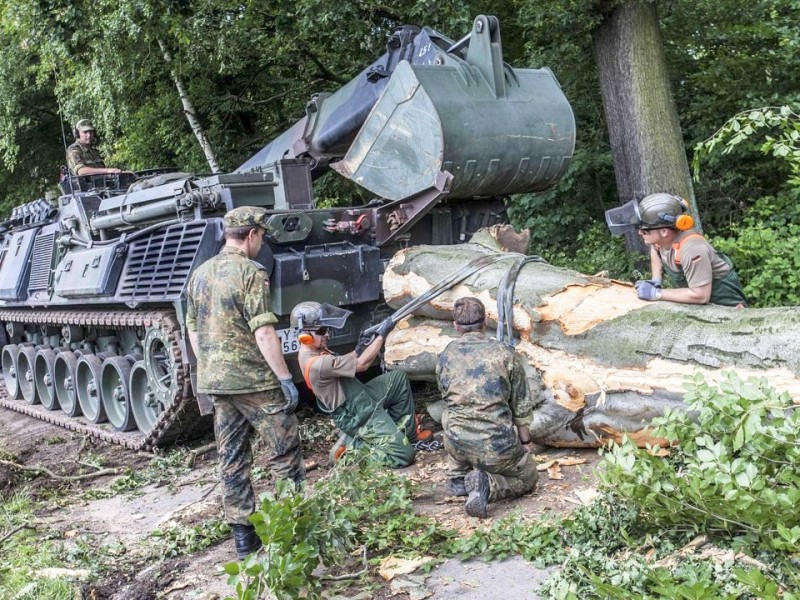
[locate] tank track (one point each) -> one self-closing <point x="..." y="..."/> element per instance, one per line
<point x="180" y="420"/>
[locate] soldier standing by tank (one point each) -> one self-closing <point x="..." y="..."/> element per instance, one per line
<point x="241" y="366"/>
<point x="82" y="156"/>
<point x="699" y="274"/>
<point x="486" y="394"/>
<point x="379" y="413"/>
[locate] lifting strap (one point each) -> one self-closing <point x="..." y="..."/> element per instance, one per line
<point x="470" y="268"/>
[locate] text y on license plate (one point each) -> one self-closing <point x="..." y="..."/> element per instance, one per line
<point x="288" y="340"/>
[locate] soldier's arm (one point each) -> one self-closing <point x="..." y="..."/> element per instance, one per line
<point x="521" y="402"/>
<point x="656" y="266"/>
<point x="83" y="170"/>
<point x="270" y="347"/>
<point x="695" y="295"/>
<point x="369" y="354"/>
<point x="193" y="341"/>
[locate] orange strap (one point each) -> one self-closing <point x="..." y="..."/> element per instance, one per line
<point x="677" y="247"/>
<point x="307" y="371"/>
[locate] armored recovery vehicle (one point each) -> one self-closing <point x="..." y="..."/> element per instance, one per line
<point x="92" y="288"/>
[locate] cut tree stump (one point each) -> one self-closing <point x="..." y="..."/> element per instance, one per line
<point x="610" y="362"/>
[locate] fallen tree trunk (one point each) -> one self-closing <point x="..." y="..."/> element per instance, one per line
<point x="609" y="361"/>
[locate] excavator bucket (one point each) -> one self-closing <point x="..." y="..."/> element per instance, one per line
<point x="494" y="129"/>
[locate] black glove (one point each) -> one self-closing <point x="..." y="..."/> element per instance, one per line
<point x="364" y="340"/>
<point x="385" y="327"/>
<point x="290" y="393"/>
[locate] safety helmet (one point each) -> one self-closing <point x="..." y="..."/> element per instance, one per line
<point x="311" y="316"/>
<point x="664" y="210"/>
<point x="306" y="315"/>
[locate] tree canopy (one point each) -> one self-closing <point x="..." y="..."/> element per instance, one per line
<point x="250" y="67"/>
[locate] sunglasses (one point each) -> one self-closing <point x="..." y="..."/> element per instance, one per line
<point x="320" y="331"/>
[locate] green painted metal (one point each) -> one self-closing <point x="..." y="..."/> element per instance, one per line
<point x="497" y="130"/>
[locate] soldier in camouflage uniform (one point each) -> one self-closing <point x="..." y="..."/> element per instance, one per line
<point x="486" y="393"/>
<point x="82" y="157"/>
<point x="241" y="366"/>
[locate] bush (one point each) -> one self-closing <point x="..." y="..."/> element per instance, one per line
<point x="764" y="251"/>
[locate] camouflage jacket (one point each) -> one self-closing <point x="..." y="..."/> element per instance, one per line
<point x="79" y="156"/>
<point x="228" y="300"/>
<point x="484" y="386"/>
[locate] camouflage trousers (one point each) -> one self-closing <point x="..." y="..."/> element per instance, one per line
<point x="511" y="474"/>
<point x="236" y="416"/>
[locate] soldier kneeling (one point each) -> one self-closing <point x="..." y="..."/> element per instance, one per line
<point x="486" y="394"/>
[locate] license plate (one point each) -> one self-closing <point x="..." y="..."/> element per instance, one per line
<point x="288" y="340"/>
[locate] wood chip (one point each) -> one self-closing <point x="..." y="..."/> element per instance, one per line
<point x="391" y="566"/>
<point x="554" y="472"/>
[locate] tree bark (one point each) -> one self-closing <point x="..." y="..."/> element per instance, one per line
<point x="191" y="114"/>
<point x="609" y="361"/>
<point x="644" y="131"/>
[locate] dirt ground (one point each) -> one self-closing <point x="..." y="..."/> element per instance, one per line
<point x="119" y="527"/>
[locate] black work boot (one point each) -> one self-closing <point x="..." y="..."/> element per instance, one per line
<point x="245" y="539"/>
<point x="477" y="486"/>
<point x="457" y="487"/>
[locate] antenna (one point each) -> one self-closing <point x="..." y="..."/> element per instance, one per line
<point x="68" y="175"/>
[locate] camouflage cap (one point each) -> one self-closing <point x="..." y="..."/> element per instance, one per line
<point x="84" y="125"/>
<point x="246" y="216"/>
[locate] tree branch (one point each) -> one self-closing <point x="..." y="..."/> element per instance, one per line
<point x="49" y="473"/>
<point x="15" y="530"/>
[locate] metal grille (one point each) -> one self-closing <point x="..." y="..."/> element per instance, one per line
<point x="159" y="265"/>
<point x="41" y="262"/>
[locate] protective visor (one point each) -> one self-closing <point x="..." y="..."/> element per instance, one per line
<point x="624" y="219"/>
<point x="333" y="316"/>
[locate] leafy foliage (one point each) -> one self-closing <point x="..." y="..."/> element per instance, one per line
<point x="25" y="552"/>
<point x="730" y="478"/>
<point x="361" y="504"/>
<point x="784" y="144"/>
<point x="764" y="249"/>
<point x="735" y="463"/>
<point x="763" y="245"/>
<point x="176" y="541"/>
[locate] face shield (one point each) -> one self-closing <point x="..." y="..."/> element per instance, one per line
<point x="333" y="316"/>
<point x="624" y="219"/>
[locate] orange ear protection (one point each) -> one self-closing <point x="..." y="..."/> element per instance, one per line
<point x="305" y="338"/>
<point x="682" y="222"/>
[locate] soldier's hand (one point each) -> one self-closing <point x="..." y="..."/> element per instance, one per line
<point x="647" y="291"/>
<point x="655" y="282"/>
<point x="290" y="393"/>
<point x="385" y="327"/>
<point x="364" y="340"/>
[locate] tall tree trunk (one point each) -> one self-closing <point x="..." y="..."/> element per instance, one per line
<point x="191" y="115"/>
<point x="644" y="131"/>
<point x="609" y="361"/>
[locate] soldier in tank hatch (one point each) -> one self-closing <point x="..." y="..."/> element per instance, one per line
<point x="83" y="158"/>
<point x="241" y="366"/>
<point x="488" y="411"/>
